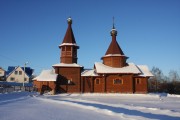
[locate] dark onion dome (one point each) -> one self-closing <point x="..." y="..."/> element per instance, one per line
<point x="113" y="31"/>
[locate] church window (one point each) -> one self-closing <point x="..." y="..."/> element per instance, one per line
<point x="63" y="48"/>
<point x="118" y="81"/>
<point x="138" y="81"/>
<point x="97" y="81"/>
<point x="68" y="48"/>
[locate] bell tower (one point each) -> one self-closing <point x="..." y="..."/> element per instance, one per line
<point x="69" y="46"/>
<point x="69" y="72"/>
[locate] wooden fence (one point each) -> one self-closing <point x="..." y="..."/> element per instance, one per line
<point x="6" y="87"/>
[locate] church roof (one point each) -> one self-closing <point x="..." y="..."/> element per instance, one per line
<point x="67" y="65"/>
<point x="114" y="47"/>
<point x="89" y="72"/>
<point x="46" y="75"/>
<point x="69" y="36"/>
<point x="141" y="70"/>
<point x="144" y="71"/>
<point x="130" y="68"/>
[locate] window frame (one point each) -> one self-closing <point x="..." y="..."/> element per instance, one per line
<point x="118" y="81"/>
<point x="68" y="48"/>
<point x="25" y="79"/>
<point x="97" y="81"/>
<point x="12" y="79"/>
<point x="138" y="80"/>
<point x="20" y="72"/>
<point x="63" y="49"/>
<point x="16" y="72"/>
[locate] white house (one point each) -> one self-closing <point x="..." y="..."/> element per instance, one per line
<point x="17" y="74"/>
<point x="2" y="74"/>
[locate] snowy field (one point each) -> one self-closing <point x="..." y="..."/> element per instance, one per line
<point x="31" y="106"/>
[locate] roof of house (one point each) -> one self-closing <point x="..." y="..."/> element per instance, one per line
<point x="2" y="68"/>
<point x="66" y="65"/>
<point x="47" y="75"/>
<point x="2" y="74"/>
<point x="11" y="69"/>
<point x="69" y="36"/>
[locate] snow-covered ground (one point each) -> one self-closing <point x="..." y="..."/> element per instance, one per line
<point x="31" y="106"/>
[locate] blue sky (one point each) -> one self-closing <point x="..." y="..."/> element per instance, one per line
<point x="148" y="31"/>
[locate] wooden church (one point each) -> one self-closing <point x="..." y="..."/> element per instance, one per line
<point x="113" y="75"/>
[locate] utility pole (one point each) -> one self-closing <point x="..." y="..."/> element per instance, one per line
<point x="24" y="72"/>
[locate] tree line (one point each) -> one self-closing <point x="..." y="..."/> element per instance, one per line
<point x="162" y="83"/>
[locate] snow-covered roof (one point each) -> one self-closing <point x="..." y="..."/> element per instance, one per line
<point x="130" y="68"/>
<point x="46" y="75"/>
<point x="141" y="70"/>
<point x="89" y="73"/>
<point x="66" y="65"/>
<point x="144" y="71"/>
<point x="68" y="44"/>
<point x="113" y="55"/>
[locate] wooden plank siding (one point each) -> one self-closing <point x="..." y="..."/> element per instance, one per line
<point x="125" y="87"/>
<point x="141" y="84"/>
<point x="69" y="79"/>
<point x="43" y="86"/>
<point x="105" y="84"/>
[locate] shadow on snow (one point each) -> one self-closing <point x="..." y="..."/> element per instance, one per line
<point x="126" y="111"/>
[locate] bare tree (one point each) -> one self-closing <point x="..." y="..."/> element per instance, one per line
<point x="174" y="85"/>
<point x="156" y="80"/>
<point x="173" y="76"/>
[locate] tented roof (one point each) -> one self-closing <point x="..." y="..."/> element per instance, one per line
<point x="114" y="47"/>
<point x="69" y="36"/>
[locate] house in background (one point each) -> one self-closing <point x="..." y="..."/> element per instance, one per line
<point x="2" y="74"/>
<point x="17" y="74"/>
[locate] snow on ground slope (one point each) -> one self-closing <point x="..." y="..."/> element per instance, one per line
<point x="23" y="105"/>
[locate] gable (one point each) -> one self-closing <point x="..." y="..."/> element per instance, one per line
<point x="12" y="69"/>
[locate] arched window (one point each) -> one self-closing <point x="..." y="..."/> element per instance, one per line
<point x="97" y="81"/>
